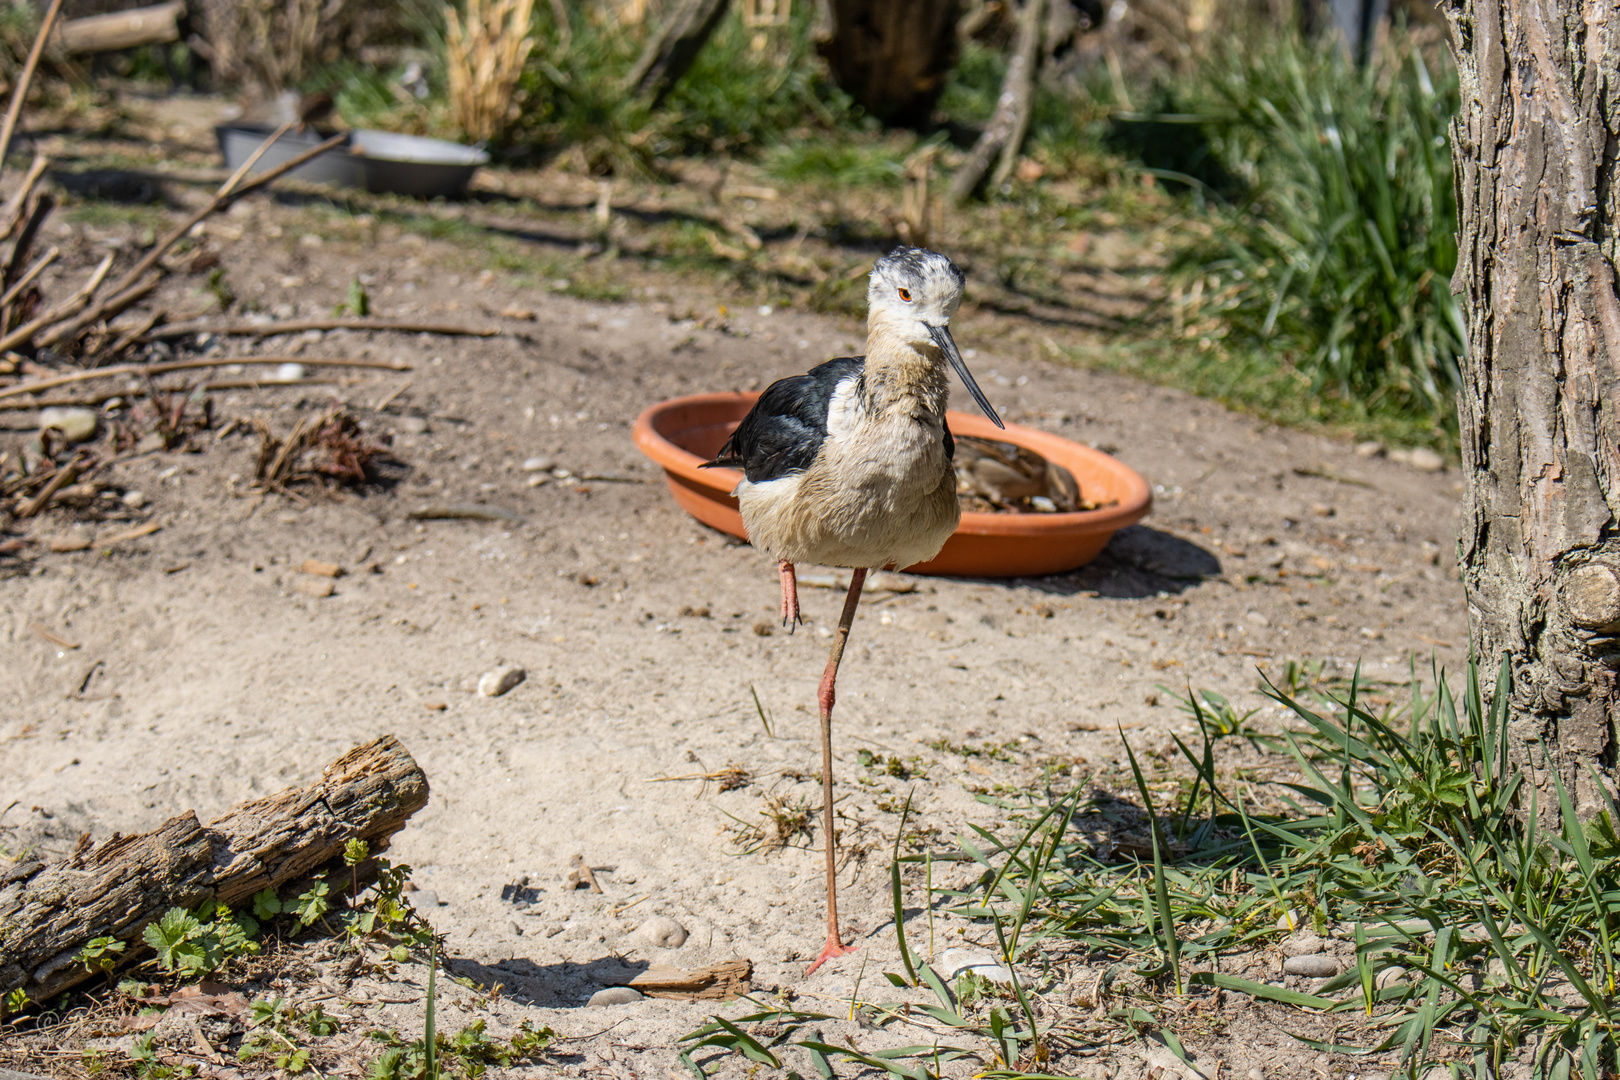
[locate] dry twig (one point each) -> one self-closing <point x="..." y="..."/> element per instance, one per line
<point x="147" y="370"/>
<point x="297" y="326"/>
<point x="27" y="76"/>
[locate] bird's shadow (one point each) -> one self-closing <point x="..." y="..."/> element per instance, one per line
<point x="1138" y="562"/>
<point x="565" y="985"/>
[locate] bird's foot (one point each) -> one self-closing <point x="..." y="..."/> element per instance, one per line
<point x="790" y="597"/>
<point x="833" y="948"/>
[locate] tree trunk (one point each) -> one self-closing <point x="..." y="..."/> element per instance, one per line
<point x="116" y="887"/>
<point x="1535" y="150"/>
<point x="672" y="51"/>
<point x="893" y="56"/>
<point x="1004" y="134"/>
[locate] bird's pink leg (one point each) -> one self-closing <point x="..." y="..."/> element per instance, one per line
<point x="825" y="696"/>
<point x="790" y="596"/>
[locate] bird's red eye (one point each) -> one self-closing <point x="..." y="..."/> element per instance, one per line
<point x="905" y="294"/>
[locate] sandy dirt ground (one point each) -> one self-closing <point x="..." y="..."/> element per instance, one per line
<point x="203" y="676"/>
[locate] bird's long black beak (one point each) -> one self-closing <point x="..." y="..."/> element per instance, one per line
<point x="942" y="338"/>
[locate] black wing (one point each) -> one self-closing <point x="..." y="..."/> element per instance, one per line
<point x="784" y="430"/>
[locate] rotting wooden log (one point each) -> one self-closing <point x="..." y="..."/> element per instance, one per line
<point x="116" y="887"/>
<point x="156" y="25"/>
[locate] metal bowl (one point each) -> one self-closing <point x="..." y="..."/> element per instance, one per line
<point x="379" y="161"/>
<point x="336" y="166"/>
<point x="414" y="165"/>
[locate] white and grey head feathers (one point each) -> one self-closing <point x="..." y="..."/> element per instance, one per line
<point x="915" y="283"/>
<point x="914" y="292"/>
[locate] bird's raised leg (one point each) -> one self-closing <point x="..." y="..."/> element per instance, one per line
<point x="834" y="946"/>
<point x="790" y="596"/>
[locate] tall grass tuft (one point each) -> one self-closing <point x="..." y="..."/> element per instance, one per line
<point x="1339" y="264"/>
<point x="485" y="51"/>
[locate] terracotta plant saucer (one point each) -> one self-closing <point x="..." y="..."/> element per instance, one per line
<point x="682" y="433"/>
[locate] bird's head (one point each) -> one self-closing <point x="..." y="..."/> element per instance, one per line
<point x="914" y="292"/>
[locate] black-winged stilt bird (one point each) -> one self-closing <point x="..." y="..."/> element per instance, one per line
<point x="850" y="465"/>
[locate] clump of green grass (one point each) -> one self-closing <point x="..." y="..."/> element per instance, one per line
<point x="1483" y="936"/>
<point x="1338" y="264"/>
<point x="1477" y="931"/>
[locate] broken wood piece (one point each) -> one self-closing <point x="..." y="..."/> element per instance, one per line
<point x="582" y="875"/>
<point x="68" y="308"/>
<point x="13" y="211"/>
<point x="29" y="275"/>
<point x="64" y="476"/>
<point x="129" y="534"/>
<point x="130" y="29"/>
<point x="39" y="628"/>
<point x="298" y="326"/>
<point x="717" y="982"/>
<point x="115" y="888"/>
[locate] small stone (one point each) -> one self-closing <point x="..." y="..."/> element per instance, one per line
<point x="524" y="313"/>
<point x="1257" y="1073"/>
<point x="497" y="682"/>
<point x="662" y="931"/>
<point x="1370" y="449"/>
<point x="1301" y="944"/>
<point x="289" y="372"/>
<point x="316" y="568"/>
<point x="1427" y="460"/>
<point x="1389" y="977"/>
<point x="69" y="542"/>
<point x="75" y="424"/>
<point x="539" y="464"/>
<point x="413" y="425"/>
<point x="423" y="899"/>
<point x="1316" y="965"/>
<point x="134" y="500"/>
<point x="149" y="443"/>
<point x="1291" y="920"/>
<point x="613" y="995"/>
<point x="320" y="588"/>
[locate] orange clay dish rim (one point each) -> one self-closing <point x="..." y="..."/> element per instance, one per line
<point x="1132" y="492"/>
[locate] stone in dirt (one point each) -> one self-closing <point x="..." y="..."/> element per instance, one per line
<point x="423" y="900"/>
<point x="613" y="995"/>
<point x="316" y="587"/>
<point x="662" y="931"/>
<point x="539" y="464"/>
<point x="75" y="424"/>
<point x="958" y="961"/>
<point x="1427" y="460"/>
<point x="1301" y="944"/>
<point x="1316" y="965"/>
<point x="69" y="542"/>
<point x="497" y="682"/>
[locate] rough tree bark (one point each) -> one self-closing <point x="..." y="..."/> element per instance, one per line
<point x="672" y="51"/>
<point x="116" y="887"/>
<point x="1536" y="145"/>
<point x="1004" y="134"/>
<point x="893" y="56"/>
